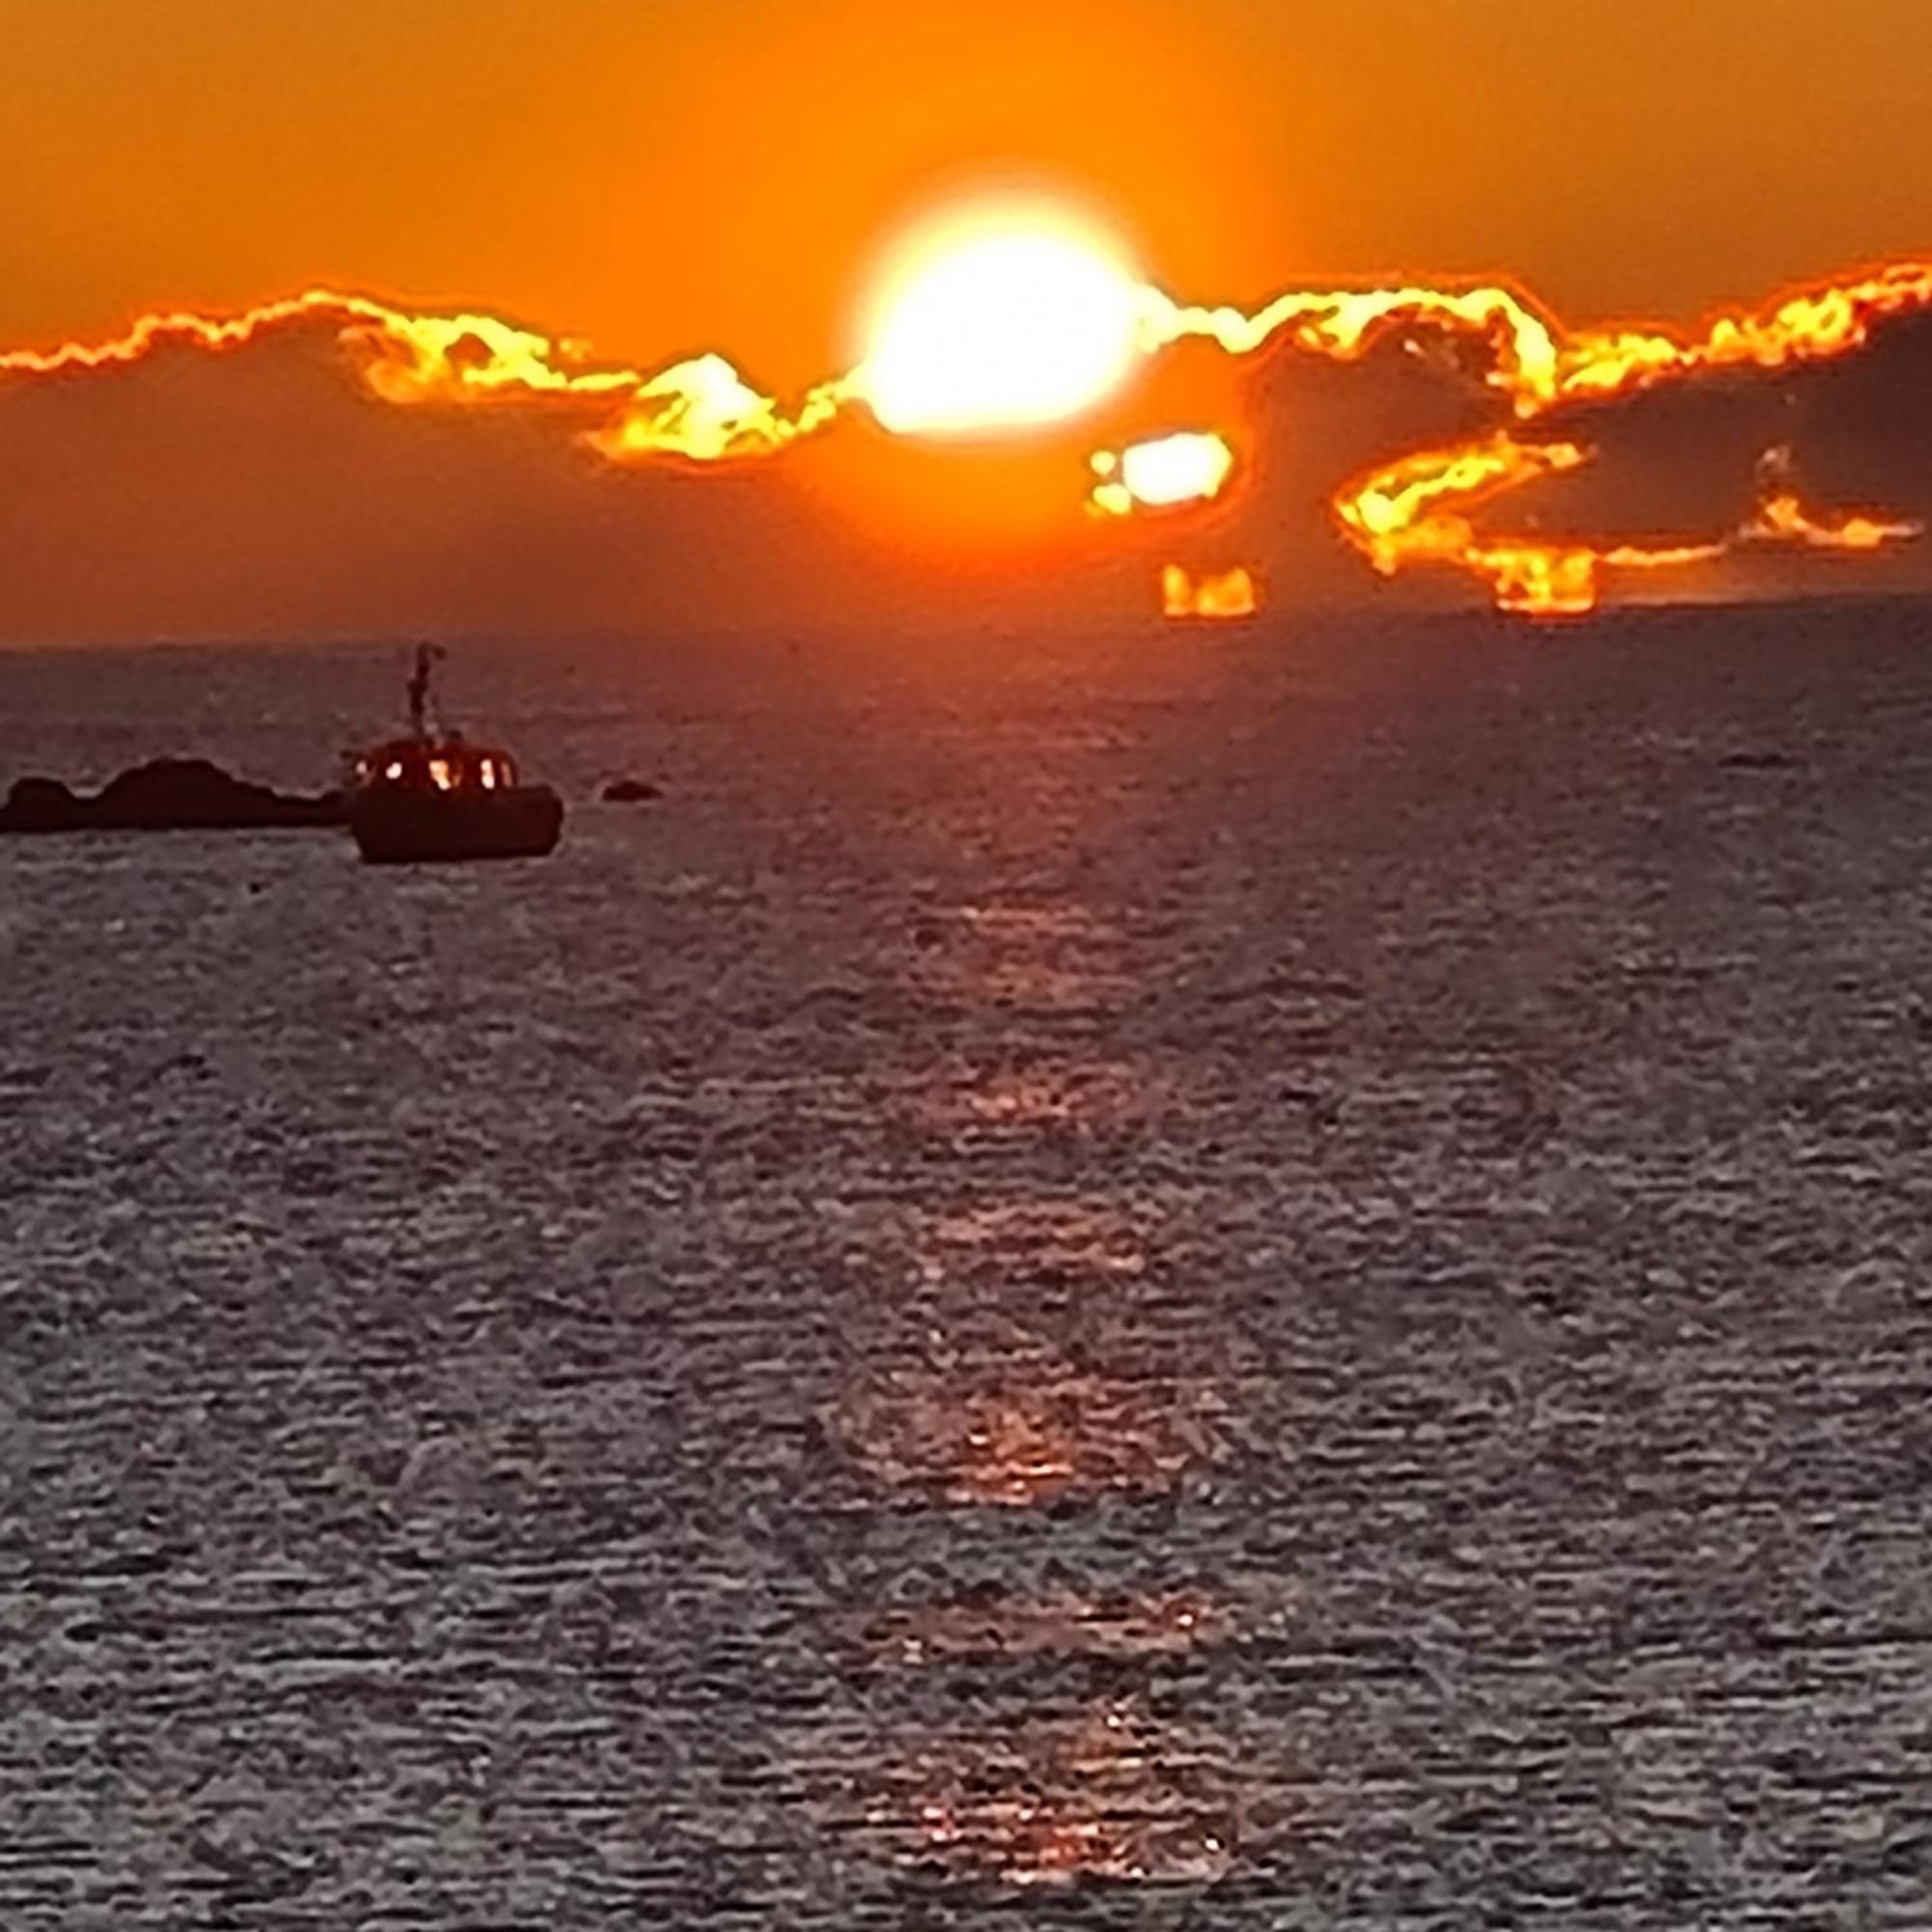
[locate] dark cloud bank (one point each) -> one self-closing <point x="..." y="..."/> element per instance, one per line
<point x="265" y="493"/>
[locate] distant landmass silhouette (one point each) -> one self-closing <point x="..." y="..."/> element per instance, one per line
<point x="165" y="795"/>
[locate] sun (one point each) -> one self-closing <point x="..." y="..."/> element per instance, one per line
<point x="996" y="319"/>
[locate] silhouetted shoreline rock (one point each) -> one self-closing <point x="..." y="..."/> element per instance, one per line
<point x="165" y="795"/>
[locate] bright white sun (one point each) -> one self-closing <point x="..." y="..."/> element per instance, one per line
<point x="999" y="319"/>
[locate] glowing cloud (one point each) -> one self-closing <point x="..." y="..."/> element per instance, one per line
<point x="1781" y="518"/>
<point x="1214" y="594"/>
<point x="1399" y="514"/>
<point x="1009" y="318"/>
<point x="1348" y="323"/>
<point x="705" y="411"/>
<point x="700" y="410"/>
<point x="1185" y="468"/>
<point x="1537" y="364"/>
<point x="1415" y="510"/>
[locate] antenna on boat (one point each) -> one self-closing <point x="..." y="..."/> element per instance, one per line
<point x="427" y="656"/>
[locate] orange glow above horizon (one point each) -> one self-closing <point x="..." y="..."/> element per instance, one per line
<point x="996" y="320"/>
<point x="1417" y="318"/>
<point x="1000" y="327"/>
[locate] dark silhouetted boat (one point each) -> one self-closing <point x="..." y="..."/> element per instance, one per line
<point x="434" y="795"/>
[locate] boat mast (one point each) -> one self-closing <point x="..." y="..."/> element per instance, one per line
<point x="418" y="688"/>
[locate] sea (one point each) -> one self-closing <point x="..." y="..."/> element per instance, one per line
<point x="1252" y="1277"/>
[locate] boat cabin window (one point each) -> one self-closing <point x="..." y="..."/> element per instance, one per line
<point x="448" y="766"/>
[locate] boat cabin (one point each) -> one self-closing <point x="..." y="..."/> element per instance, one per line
<point x="449" y="764"/>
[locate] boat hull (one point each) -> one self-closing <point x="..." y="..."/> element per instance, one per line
<point x="397" y="827"/>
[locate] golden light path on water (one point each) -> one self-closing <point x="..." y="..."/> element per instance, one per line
<point x="1017" y="1373"/>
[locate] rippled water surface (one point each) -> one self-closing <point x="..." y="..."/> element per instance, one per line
<point x="1245" y="1281"/>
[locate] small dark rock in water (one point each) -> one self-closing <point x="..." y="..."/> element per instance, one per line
<point x="1757" y="761"/>
<point x="168" y="795"/>
<point x="629" y="791"/>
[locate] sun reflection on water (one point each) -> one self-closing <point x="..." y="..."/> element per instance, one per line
<point x="1012" y="1350"/>
<point x="1106" y="1793"/>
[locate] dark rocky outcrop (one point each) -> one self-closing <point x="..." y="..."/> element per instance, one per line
<point x="168" y="795"/>
<point x="629" y="791"/>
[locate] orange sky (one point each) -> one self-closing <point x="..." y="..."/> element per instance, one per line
<point x="717" y="172"/>
<point x="726" y="175"/>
